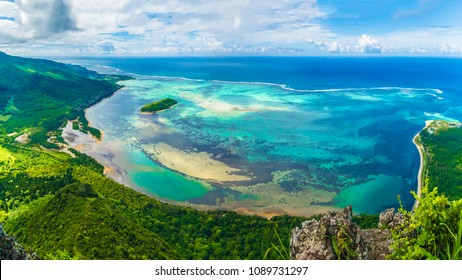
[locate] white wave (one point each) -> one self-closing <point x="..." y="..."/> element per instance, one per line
<point x="170" y="77"/>
<point x="286" y="87"/>
<point x="363" y="97"/>
<point x="439" y="116"/>
<point x="436" y="96"/>
<point x="283" y="86"/>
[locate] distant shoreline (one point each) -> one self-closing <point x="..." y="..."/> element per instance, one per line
<point x="420" y="148"/>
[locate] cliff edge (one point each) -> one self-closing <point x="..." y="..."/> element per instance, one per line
<point x="336" y="236"/>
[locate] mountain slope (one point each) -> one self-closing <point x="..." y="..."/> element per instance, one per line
<point x="82" y="224"/>
<point x="38" y="96"/>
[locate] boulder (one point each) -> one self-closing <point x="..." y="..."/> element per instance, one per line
<point x="335" y="236"/>
<point x="390" y="219"/>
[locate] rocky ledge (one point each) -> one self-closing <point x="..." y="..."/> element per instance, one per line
<point x="11" y="250"/>
<point x="335" y="236"/>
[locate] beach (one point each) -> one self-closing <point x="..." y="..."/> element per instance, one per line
<point x="101" y="152"/>
<point x="420" y="148"/>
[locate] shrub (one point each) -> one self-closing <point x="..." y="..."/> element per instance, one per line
<point x="433" y="231"/>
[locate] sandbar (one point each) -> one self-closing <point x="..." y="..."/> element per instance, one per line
<point x="195" y="164"/>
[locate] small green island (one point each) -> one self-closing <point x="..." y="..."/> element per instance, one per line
<point x="160" y="105"/>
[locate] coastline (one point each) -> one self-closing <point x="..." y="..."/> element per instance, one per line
<point x="188" y="164"/>
<point x="422" y="163"/>
<point x="107" y="154"/>
<point x="90" y="145"/>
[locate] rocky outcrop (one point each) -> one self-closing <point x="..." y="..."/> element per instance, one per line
<point x="335" y="236"/>
<point x="11" y="250"/>
<point x="390" y="219"/>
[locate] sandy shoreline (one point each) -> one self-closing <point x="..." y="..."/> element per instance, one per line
<point x="203" y="166"/>
<point x="422" y="163"/>
<point x="94" y="147"/>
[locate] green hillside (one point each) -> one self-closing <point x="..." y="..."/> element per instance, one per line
<point x="83" y="225"/>
<point x="443" y="152"/>
<point x="433" y="230"/>
<point x="38" y="96"/>
<point x="63" y="207"/>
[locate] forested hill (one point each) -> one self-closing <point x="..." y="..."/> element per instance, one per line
<point x="63" y="207"/>
<point x="38" y="96"/>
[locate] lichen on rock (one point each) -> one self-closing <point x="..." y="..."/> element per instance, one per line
<point x="336" y="236"/>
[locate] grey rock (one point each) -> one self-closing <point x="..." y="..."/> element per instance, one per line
<point x="377" y="242"/>
<point x="11" y="250"/>
<point x="389" y="219"/>
<point x="335" y="236"/>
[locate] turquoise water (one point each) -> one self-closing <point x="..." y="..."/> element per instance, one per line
<point x="163" y="182"/>
<point x="380" y="189"/>
<point x="354" y="142"/>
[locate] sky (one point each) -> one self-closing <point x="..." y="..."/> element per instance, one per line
<point x="235" y="27"/>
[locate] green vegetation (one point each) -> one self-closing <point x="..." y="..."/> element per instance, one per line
<point x="443" y="151"/>
<point x="158" y="105"/>
<point x="434" y="230"/>
<point x="365" y="221"/>
<point x="4" y="118"/>
<point x="63" y="207"/>
<point x="87" y="215"/>
<point x="281" y="248"/>
<point x="343" y="245"/>
<point x="95" y="132"/>
<point x="38" y="96"/>
<point x="75" y="219"/>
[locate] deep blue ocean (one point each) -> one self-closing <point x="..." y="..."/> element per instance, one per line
<point x="300" y="72"/>
<point x="310" y="132"/>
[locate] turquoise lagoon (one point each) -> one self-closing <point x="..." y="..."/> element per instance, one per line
<point x="305" y="146"/>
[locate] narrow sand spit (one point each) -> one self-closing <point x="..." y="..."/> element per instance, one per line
<point x="422" y="163"/>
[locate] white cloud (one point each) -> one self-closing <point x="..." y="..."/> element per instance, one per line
<point x="424" y="5"/>
<point x="331" y="46"/>
<point x="237" y="22"/>
<point x="368" y="45"/>
<point x="8" y="9"/>
<point x="198" y="25"/>
<point x="201" y="26"/>
<point x="38" y="19"/>
<point x="449" y="48"/>
<point x="430" y="40"/>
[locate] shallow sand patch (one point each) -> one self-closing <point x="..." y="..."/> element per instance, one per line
<point x="218" y="107"/>
<point x="23" y="138"/>
<point x="270" y="212"/>
<point x="268" y="200"/>
<point x="101" y="152"/>
<point x="195" y="164"/>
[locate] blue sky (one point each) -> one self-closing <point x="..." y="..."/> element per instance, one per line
<point x="221" y="27"/>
